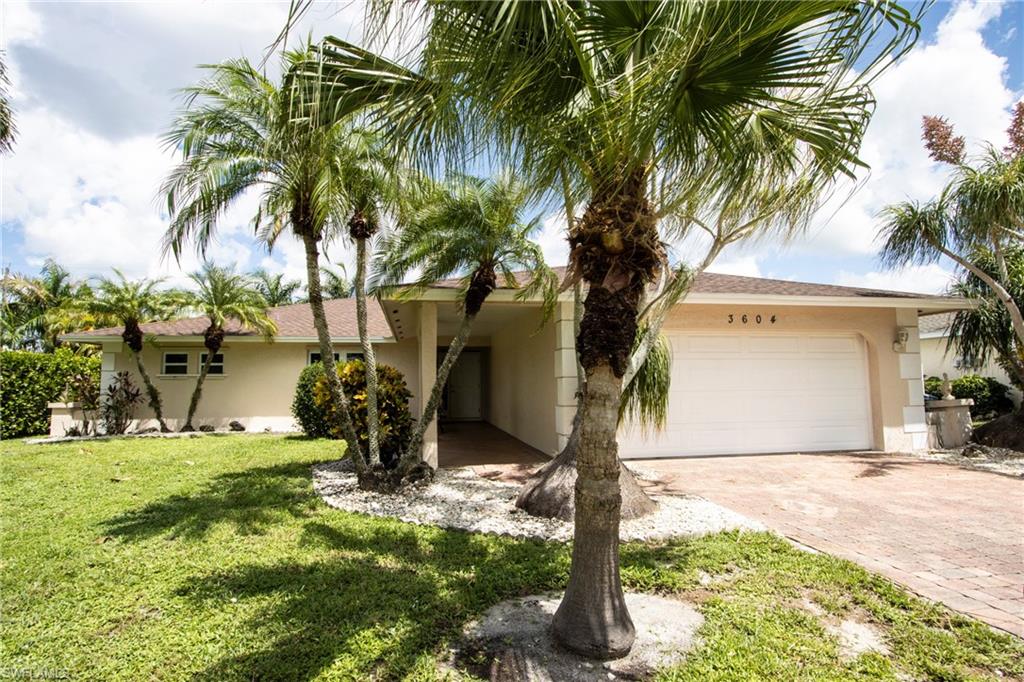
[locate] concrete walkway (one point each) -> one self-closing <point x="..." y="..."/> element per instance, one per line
<point x="950" y="534"/>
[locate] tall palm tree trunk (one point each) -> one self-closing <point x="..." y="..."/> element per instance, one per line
<point x="592" y="619"/>
<point x="197" y="392"/>
<point x="369" y="358"/>
<point x="154" y="395"/>
<point x="316" y="305"/>
<point x="616" y="249"/>
<point x="415" y="452"/>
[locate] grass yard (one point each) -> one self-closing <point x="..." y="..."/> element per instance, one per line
<point x="213" y="559"/>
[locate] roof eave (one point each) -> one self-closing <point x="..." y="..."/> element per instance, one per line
<point x="87" y="338"/>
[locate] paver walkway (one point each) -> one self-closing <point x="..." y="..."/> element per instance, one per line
<point x="949" y="534"/>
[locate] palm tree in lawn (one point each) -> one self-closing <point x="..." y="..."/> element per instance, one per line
<point x="236" y="132"/>
<point x="644" y="106"/>
<point x="222" y="295"/>
<point x="471" y="228"/>
<point x="275" y="289"/>
<point x="133" y="302"/>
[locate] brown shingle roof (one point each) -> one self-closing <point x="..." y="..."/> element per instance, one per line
<point x="293" y="321"/>
<point x="296" y="320"/>
<point x="716" y="283"/>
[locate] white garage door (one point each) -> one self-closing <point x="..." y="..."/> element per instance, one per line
<point x="753" y="393"/>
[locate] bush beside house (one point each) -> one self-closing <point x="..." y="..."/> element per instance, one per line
<point x="28" y="381"/>
<point x="312" y="405"/>
<point x="991" y="397"/>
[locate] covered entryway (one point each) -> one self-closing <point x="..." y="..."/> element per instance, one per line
<point x="464" y="444"/>
<point x="746" y="393"/>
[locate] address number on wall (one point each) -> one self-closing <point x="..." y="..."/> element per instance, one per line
<point x="746" y="318"/>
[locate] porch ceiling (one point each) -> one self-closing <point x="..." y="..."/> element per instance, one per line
<point x="495" y="315"/>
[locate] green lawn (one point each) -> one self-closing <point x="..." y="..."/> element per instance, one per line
<point x="212" y="558"/>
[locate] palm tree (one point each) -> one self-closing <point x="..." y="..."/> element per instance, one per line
<point x="223" y="295"/>
<point x="133" y="302"/>
<point x="643" y="106"/>
<point x="980" y="211"/>
<point x="275" y="289"/>
<point x="469" y="227"/>
<point x="7" y="127"/>
<point x="38" y="310"/>
<point x="236" y="132"/>
<point x="337" y="283"/>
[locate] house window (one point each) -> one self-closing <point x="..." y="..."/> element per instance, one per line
<point x="353" y="356"/>
<point x="314" y="356"/>
<point x="175" y="363"/>
<point x="217" y="366"/>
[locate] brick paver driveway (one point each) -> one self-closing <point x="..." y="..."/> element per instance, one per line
<point x="949" y="534"/>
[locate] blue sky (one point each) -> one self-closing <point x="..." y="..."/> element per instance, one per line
<point x="94" y="88"/>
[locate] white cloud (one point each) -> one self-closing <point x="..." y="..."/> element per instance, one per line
<point x="956" y="76"/>
<point x="553" y="239"/>
<point x="746" y="265"/>
<point x="19" y="24"/>
<point x="919" y="279"/>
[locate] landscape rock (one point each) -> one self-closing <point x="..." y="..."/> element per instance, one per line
<point x="461" y="499"/>
<point x="236" y="425"/>
<point x="207" y="428"/>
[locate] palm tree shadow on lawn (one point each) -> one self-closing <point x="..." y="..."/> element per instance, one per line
<point x="252" y="500"/>
<point x="386" y="599"/>
<point x="375" y="595"/>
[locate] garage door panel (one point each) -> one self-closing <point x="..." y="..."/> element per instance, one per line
<point x="749" y="393"/>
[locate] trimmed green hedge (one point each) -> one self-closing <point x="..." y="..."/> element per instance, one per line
<point x="28" y="381"/>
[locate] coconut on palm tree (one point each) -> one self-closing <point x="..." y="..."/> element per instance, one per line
<point x="471" y="228"/>
<point x="222" y="295"/>
<point x="133" y="302"/>
<point x="275" y="289"/>
<point x="643" y="106"/>
<point x="238" y="132"/>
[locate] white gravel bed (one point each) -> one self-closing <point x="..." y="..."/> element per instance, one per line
<point x="981" y="458"/>
<point x="460" y="499"/>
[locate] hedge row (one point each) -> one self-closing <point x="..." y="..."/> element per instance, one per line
<point x="28" y="381"/>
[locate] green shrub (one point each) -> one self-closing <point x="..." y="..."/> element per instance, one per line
<point x="28" y="381"/>
<point x="991" y="398"/>
<point x="313" y="408"/>
<point x="312" y="418"/>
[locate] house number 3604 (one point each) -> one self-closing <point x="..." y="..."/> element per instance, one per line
<point x="752" y="319"/>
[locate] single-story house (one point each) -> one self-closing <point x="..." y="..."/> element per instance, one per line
<point x="759" y="366"/>
<point x="937" y="359"/>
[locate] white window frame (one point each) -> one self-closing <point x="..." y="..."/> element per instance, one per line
<point x="164" y="364"/>
<point x="310" y="354"/>
<point x="202" y="361"/>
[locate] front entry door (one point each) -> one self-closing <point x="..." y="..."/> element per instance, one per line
<point x="465" y="387"/>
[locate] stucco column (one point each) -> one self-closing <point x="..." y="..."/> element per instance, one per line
<point x="565" y="372"/>
<point x="427" y="340"/>
<point x="914" y="426"/>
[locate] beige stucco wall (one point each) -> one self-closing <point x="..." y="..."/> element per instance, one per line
<point x="521" y="398"/>
<point x="257" y="386"/>
<point x="935" y="360"/>
<point x="896" y="387"/>
<point x="531" y="374"/>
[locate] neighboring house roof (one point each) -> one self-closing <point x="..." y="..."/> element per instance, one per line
<point x="934" y="326"/>
<point x="716" y="283"/>
<point x="294" y="321"/>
